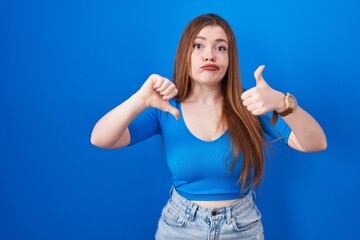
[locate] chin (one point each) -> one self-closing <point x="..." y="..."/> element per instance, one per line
<point x="208" y="78"/>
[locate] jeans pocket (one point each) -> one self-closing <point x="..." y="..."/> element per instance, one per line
<point x="172" y="216"/>
<point x="249" y="221"/>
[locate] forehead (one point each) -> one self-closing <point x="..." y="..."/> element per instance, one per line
<point x="213" y="32"/>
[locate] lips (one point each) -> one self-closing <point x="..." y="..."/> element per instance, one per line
<point x="210" y="67"/>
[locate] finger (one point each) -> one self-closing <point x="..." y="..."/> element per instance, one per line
<point x="169" y="90"/>
<point x="158" y="81"/>
<point x="258" y="74"/>
<point x="257" y="108"/>
<point x="254" y="110"/>
<point x="170" y="94"/>
<point x="249" y="101"/>
<point x="165" y="84"/>
<point x="247" y="94"/>
<point x="173" y="111"/>
<point x="251" y="107"/>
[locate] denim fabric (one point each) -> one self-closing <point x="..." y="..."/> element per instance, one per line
<point x="182" y="219"/>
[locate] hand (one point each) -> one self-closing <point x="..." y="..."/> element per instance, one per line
<point x="262" y="99"/>
<point x="156" y="92"/>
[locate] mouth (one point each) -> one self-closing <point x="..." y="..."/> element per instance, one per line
<point x="210" y="67"/>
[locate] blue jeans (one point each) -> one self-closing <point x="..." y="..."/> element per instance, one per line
<point x="182" y="219"/>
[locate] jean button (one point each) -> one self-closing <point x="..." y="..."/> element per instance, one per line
<point x="213" y="213"/>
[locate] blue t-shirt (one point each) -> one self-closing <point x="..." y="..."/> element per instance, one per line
<point x="200" y="169"/>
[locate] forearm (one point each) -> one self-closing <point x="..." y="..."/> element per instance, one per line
<point x="308" y="136"/>
<point x="109" y="130"/>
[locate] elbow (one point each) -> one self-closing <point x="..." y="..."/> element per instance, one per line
<point x="102" y="141"/>
<point x="98" y="141"/>
<point x="94" y="140"/>
<point x="100" y="144"/>
<point x="321" y="142"/>
<point x="320" y="146"/>
<point x="323" y="145"/>
<point x="310" y="147"/>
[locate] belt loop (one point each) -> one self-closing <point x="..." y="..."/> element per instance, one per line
<point x="191" y="215"/>
<point x="228" y="215"/>
<point x="253" y="194"/>
<point x="171" y="191"/>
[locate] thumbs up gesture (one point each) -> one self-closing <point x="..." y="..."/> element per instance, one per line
<point x="156" y="92"/>
<point x="262" y="99"/>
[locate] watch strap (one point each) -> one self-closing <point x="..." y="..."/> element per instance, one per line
<point x="286" y="112"/>
<point x="274" y="118"/>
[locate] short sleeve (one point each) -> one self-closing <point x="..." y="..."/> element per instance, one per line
<point x="144" y="126"/>
<point x="279" y="131"/>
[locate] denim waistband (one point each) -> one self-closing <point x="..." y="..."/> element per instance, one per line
<point x="193" y="210"/>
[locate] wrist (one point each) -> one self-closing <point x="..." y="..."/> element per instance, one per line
<point x="287" y="105"/>
<point x="290" y="104"/>
<point x="140" y="101"/>
<point x="280" y="106"/>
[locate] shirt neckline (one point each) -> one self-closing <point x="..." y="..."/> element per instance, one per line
<point x="193" y="135"/>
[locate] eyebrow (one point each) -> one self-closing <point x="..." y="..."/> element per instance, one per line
<point x="216" y="40"/>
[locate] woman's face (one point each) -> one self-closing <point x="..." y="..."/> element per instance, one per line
<point x="209" y="58"/>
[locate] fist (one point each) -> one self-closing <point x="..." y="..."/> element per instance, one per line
<point x="156" y="92"/>
<point x="262" y="99"/>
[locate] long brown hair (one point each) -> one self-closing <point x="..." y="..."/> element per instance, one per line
<point x="246" y="133"/>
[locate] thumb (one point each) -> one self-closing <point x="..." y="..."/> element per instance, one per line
<point x="258" y="74"/>
<point x="170" y="109"/>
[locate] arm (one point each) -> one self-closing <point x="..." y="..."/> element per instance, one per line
<point x="111" y="131"/>
<point x="307" y="135"/>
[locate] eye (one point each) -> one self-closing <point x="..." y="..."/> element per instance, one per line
<point x="221" y="48"/>
<point x="197" y="46"/>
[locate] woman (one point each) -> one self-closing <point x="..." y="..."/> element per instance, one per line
<point x="213" y="134"/>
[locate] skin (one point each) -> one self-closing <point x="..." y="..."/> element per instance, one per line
<point x="201" y="110"/>
<point x="306" y="136"/>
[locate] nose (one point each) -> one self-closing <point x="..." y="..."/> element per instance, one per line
<point x="209" y="59"/>
<point x="209" y="56"/>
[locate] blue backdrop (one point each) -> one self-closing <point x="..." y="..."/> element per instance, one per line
<point x="63" y="64"/>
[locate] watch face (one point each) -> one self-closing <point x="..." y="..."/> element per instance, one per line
<point x="292" y="102"/>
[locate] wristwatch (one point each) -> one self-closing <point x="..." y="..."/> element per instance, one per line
<point x="290" y="105"/>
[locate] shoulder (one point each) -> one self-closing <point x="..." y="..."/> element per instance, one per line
<point x="280" y="130"/>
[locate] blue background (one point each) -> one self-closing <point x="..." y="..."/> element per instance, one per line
<point x="63" y="64"/>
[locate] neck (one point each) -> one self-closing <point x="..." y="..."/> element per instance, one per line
<point x="205" y="94"/>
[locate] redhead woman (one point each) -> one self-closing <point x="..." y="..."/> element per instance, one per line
<point x="213" y="134"/>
